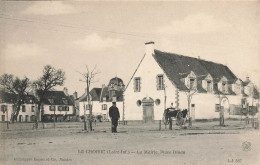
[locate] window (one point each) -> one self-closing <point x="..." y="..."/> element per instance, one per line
<point x="138" y="102"/>
<point x="224" y="87"/>
<point x="238" y="88"/>
<point x="66" y="108"/>
<point x="208" y="86"/>
<point x="160" y="82"/>
<point x="104" y="107"/>
<point x="60" y="108"/>
<point x="13" y="108"/>
<point x="192" y="105"/>
<point x="3" y="108"/>
<point x="51" y="101"/>
<point x="32" y="108"/>
<point x="23" y="108"/>
<point x="88" y="106"/>
<point x="52" y="108"/>
<point x="65" y="101"/>
<point x="104" y="98"/>
<point x="157" y="101"/>
<point x="192" y="83"/>
<point x="112" y="93"/>
<point x="217" y="108"/>
<point x="137" y="82"/>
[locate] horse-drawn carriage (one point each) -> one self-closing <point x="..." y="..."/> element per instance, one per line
<point x="179" y="115"/>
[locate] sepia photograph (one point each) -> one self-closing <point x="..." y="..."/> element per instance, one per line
<point x="130" y="82"/>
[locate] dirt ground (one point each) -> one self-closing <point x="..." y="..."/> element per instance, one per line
<point x="136" y="143"/>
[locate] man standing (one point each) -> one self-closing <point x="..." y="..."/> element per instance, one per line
<point x="114" y="116"/>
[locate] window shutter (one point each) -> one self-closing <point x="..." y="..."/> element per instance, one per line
<point x="157" y="82"/>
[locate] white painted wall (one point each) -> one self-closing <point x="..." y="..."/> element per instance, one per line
<point x="97" y="108"/>
<point x="57" y="112"/>
<point x="28" y="112"/>
<point x="148" y="71"/>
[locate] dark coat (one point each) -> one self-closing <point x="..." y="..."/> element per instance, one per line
<point x="114" y="112"/>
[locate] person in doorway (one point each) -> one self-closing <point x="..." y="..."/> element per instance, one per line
<point x="114" y="116"/>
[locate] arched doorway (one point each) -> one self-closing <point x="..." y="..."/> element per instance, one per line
<point x="148" y="110"/>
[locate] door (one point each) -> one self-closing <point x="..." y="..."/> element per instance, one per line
<point x="20" y="118"/>
<point x="26" y="118"/>
<point x="193" y="111"/>
<point x="148" y="110"/>
<point x="32" y="118"/>
<point x="148" y="114"/>
<point x="3" y="117"/>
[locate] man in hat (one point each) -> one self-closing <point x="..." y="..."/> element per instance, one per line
<point x="114" y="116"/>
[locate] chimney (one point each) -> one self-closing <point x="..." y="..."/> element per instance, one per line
<point x="65" y="90"/>
<point x="199" y="57"/>
<point x="75" y="95"/>
<point x="149" y="48"/>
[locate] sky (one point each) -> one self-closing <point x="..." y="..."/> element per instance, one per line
<point x="70" y="35"/>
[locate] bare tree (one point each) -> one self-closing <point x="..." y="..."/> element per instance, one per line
<point x="16" y="86"/>
<point x="221" y="110"/>
<point x="51" y="78"/>
<point x="189" y="93"/>
<point x="89" y="78"/>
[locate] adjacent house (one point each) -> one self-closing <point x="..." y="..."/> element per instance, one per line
<point x="163" y="78"/>
<point x="101" y="99"/>
<point x="55" y="103"/>
<point x="27" y="109"/>
<point x="59" y="104"/>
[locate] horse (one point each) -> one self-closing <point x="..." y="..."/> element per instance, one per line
<point x="180" y="116"/>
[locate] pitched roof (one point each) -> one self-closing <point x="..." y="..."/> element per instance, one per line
<point x="178" y="66"/>
<point x="57" y="98"/>
<point x="94" y="93"/>
<point x="98" y="94"/>
<point x="10" y="97"/>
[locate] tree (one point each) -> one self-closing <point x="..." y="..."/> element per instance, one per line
<point x="51" y="78"/>
<point x="221" y="110"/>
<point x="189" y="93"/>
<point x="18" y="87"/>
<point x="88" y="78"/>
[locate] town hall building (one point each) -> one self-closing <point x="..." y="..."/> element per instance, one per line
<point x="163" y="78"/>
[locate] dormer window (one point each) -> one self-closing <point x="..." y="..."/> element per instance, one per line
<point x="65" y="101"/>
<point x="104" y="98"/>
<point x="192" y="83"/>
<point x="209" y="89"/>
<point x="51" y="101"/>
<point x="112" y="93"/>
<point x="224" y="87"/>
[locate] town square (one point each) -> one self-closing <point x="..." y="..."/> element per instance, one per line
<point x="129" y="82"/>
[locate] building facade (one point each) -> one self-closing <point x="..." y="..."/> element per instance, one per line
<point x="55" y="104"/>
<point x="163" y="78"/>
<point x="27" y="109"/>
<point x="101" y="99"/>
